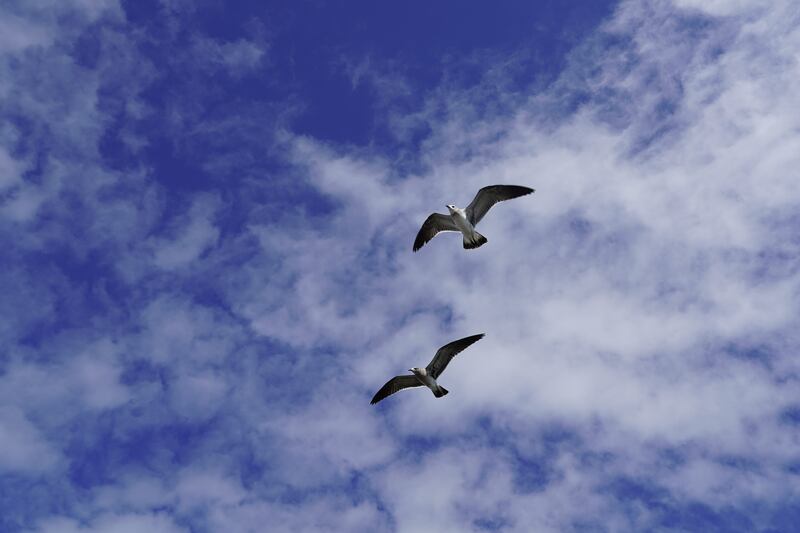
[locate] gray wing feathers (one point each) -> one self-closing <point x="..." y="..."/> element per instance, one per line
<point x="447" y="352"/>
<point x="395" y="384"/>
<point x="488" y="196"/>
<point x="433" y="225"/>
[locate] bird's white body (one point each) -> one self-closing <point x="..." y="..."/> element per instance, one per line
<point x="472" y="239"/>
<point x="459" y="217"/>
<point x="427" y="380"/>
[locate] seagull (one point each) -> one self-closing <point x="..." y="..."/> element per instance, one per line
<point x="465" y="220"/>
<point x="427" y="376"/>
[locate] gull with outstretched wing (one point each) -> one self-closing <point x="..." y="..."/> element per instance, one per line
<point x="427" y="376"/>
<point x="465" y="220"/>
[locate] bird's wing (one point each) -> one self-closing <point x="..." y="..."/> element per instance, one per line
<point x="447" y="352"/>
<point x="395" y="384"/>
<point x="488" y="196"/>
<point x="433" y="225"/>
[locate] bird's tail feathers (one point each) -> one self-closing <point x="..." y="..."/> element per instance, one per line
<point x="475" y="240"/>
<point x="441" y="391"/>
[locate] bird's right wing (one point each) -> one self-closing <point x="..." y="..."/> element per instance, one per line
<point x="395" y="384"/>
<point x="447" y="352"/>
<point x="488" y="196"/>
<point x="433" y="225"/>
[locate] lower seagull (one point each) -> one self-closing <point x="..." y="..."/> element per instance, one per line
<point x="427" y="376"/>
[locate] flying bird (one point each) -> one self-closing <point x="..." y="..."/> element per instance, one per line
<point x="427" y="376"/>
<point x="465" y="220"/>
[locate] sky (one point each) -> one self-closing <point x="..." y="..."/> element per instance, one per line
<point x="207" y="211"/>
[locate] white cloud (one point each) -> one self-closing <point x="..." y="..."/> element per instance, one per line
<point x="134" y="491"/>
<point x="113" y="523"/>
<point x="17" y="33"/>
<point x="176" y="331"/>
<point x="722" y="7"/>
<point x="237" y="57"/>
<point x="23" y="448"/>
<point x="96" y="374"/>
<point x="198" y="396"/>
<point x="326" y="441"/>
<point x="203" y="489"/>
<point x="58" y="392"/>
<point x="193" y="235"/>
<point x="33" y="23"/>
<point x="328" y="513"/>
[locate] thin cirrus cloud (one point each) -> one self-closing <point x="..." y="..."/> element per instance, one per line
<point x="188" y="356"/>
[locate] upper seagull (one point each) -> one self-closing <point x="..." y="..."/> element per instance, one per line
<point x="465" y="220"/>
<point x="427" y="376"/>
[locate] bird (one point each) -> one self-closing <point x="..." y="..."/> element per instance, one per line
<point x="465" y="220"/>
<point x="427" y="376"/>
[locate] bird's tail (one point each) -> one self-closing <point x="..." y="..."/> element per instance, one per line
<point x="441" y="391"/>
<point x="474" y="241"/>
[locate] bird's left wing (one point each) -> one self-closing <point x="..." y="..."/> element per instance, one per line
<point x="488" y="196"/>
<point x="433" y="225"/>
<point x="447" y="352"/>
<point x="395" y="384"/>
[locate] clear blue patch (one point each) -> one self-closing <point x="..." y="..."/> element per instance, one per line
<point x="667" y="511"/>
<point x="99" y="451"/>
<point x="760" y="354"/>
<point x="42" y="497"/>
<point x="494" y="523"/>
<point x="415" y="447"/>
<point x="790" y="415"/>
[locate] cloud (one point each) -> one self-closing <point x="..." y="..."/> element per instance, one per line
<point x="22" y="446"/>
<point x="721" y="8"/>
<point x="237" y="57"/>
<point x="18" y="34"/>
<point x="191" y="237"/>
<point x="198" y="396"/>
<point x="174" y="328"/>
<point x="126" y="523"/>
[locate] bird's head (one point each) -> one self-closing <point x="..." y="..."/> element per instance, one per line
<point x="414" y="370"/>
<point x="451" y="208"/>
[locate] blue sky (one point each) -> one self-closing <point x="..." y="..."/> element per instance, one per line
<point x="207" y="219"/>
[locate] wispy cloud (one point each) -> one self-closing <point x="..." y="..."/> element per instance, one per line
<point x="192" y="236"/>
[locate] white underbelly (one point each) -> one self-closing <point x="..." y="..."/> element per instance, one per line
<point x="428" y="382"/>
<point x="463" y="225"/>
